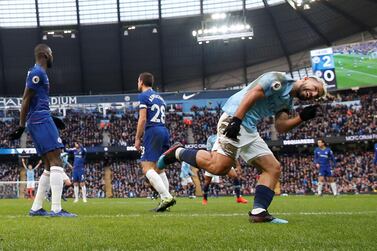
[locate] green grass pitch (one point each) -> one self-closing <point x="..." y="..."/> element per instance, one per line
<point x="315" y="223"/>
<point x="355" y="71"/>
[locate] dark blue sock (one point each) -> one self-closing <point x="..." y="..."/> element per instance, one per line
<point x="237" y="187"/>
<point x="205" y="191"/>
<point x="263" y="197"/>
<point x="188" y="156"/>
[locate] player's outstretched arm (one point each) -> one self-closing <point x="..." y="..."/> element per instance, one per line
<point x="38" y="165"/>
<point x="23" y="163"/>
<point x="140" y="127"/>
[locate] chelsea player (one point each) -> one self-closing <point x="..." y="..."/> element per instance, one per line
<point x="78" y="171"/>
<point x="323" y="156"/>
<point x="237" y="135"/>
<point x="42" y="127"/>
<point x="151" y="126"/>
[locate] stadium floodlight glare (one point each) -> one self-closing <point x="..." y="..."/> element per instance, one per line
<point x="301" y="4"/>
<point x="232" y="27"/>
<point x="218" y="16"/>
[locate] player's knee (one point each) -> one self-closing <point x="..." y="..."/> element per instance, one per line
<point x="276" y="170"/>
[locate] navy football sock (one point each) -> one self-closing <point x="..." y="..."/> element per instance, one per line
<point x="237" y="187"/>
<point x="263" y="197"/>
<point x="188" y="156"/>
<point x="205" y="191"/>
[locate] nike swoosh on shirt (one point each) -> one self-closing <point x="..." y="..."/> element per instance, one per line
<point x="185" y="97"/>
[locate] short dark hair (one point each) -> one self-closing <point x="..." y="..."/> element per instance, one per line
<point x="40" y="50"/>
<point x="323" y="141"/>
<point x="147" y="79"/>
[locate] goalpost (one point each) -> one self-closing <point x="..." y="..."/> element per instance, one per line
<point x="14" y="189"/>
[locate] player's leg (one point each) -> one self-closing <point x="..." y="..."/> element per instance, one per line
<point x="43" y="187"/>
<point x="76" y="189"/>
<point x="155" y="141"/>
<point x="236" y="185"/>
<point x="321" y="180"/>
<point x="207" y="183"/>
<point x="258" y="154"/>
<point x="191" y="188"/>
<point x="264" y="191"/>
<point x="83" y="189"/>
<point x="56" y="179"/>
<point x="155" y="179"/>
<point x="215" y="185"/>
<point x="332" y="182"/>
<point x="67" y="184"/>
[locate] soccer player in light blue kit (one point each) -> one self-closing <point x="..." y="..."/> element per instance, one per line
<point x="42" y="127"/>
<point x="151" y="126"/>
<point x="209" y="177"/>
<point x="268" y="95"/>
<point x="323" y="156"/>
<point x="78" y="171"/>
<point x="30" y="176"/>
<point x="186" y="180"/>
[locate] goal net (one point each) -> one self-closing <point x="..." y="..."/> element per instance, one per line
<point x="14" y="189"/>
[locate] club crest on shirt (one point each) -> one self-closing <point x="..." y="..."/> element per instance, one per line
<point x="276" y="86"/>
<point x="35" y="79"/>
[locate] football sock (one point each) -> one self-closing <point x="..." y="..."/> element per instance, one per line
<point x="165" y="180"/>
<point x="191" y="190"/>
<point x="56" y="182"/>
<point x="262" y="199"/>
<point x="76" y="191"/>
<point x="205" y="191"/>
<point x="83" y="192"/>
<point x="187" y="155"/>
<point x="216" y="189"/>
<point x="237" y="187"/>
<point x="41" y="191"/>
<point x="333" y="188"/>
<point x="320" y="186"/>
<point x="158" y="184"/>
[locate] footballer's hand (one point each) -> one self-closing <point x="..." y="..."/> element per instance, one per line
<point x="233" y="129"/>
<point x="138" y="144"/>
<point x="317" y="165"/>
<point x="309" y="112"/>
<point x="16" y="134"/>
<point x="59" y="123"/>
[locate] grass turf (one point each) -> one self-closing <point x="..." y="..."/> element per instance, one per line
<point x="315" y="223"/>
<point x="355" y="71"/>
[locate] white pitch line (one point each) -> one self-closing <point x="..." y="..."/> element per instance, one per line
<point x="199" y="215"/>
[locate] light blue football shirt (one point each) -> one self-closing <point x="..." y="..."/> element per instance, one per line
<point x="276" y="86"/>
<point x="211" y="141"/>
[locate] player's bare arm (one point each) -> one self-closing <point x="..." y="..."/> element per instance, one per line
<point x="26" y="98"/>
<point x="140" y="128"/>
<point x="38" y="165"/>
<point x="283" y="123"/>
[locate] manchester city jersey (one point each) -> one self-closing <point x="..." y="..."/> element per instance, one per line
<point x="276" y="87"/>
<point x="30" y="175"/>
<point x="39" y="109"/>
<point x="155" y="106"/>
<point x="64" y="157"/>
<point x="185" y="170"/>
<point x="211" y="141"/>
